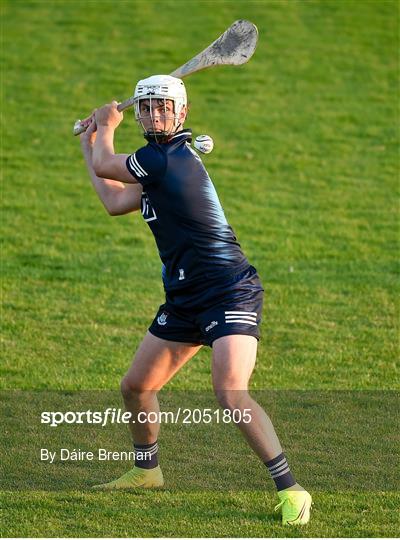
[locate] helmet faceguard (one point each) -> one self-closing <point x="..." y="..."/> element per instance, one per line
<point x="160" y="89"/>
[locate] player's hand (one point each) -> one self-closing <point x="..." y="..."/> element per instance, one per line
<point x="109" y="116"/>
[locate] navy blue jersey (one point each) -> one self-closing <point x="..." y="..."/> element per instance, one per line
<point x="181" y="207"/>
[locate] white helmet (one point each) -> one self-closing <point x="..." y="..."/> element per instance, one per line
<point x="162" y="87"/>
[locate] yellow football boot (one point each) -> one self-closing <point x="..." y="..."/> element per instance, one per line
<point x="136" y="478"/>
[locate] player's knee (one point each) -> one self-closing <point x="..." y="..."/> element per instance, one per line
<point x="231" y="399"/>
<point x="131" y="388"/>
<point x="125" y="388"/>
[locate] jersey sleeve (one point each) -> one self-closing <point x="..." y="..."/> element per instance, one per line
<point x="147" y="165"/>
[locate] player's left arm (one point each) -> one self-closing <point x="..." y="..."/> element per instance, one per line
<point x="106" y="163"/>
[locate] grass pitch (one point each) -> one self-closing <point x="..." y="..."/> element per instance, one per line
<point x="306" y="166"/>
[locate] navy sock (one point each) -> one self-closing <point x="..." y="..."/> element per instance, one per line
<point x="146" y="455"/>
<point x="280" y="472"/>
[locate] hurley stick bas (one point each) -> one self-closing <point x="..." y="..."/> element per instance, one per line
<point x="234" y="47"/>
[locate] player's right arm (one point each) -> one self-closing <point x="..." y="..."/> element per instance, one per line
<point x="117" y="197"/>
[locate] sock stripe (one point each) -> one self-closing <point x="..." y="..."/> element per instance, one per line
<point x="280" y="472"/>
<point x="146" y="455"/>
<point x="145" y="448"/>
<point x="285" y="470"/>
<point x="278" y="469"/>
<point x="277" y="465"/>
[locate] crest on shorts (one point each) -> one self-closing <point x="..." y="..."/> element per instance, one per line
<point x="162" y="319"/>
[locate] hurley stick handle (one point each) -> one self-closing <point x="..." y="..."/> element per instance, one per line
<point x="81" y="125"/>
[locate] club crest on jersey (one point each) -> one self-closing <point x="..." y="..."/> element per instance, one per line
<point x="181" y="274"/>
<point x="148" y="212"/>
<point x="162" y="319"/>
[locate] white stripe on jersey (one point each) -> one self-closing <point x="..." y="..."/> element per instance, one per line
<point x="135" y="169"/>
<point x="139" y="166"/>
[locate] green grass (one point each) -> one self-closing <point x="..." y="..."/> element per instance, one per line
<point x="306" y="166"/>
<point x="209" y="514"/>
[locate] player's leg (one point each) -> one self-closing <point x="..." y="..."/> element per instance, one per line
<point x="155" y="363"/>
<point x="233" y="362"/>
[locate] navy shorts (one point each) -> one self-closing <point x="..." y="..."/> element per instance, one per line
<point x="201" y="315"/>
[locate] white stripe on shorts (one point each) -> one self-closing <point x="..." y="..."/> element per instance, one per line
<point x="244" y="317"/>
<point x="241" y="321"/>
<point x="241" y="313"/>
